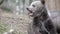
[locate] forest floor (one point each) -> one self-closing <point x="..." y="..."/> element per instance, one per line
<point x="16" y="22"/>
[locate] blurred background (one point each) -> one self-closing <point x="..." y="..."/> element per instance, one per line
<point x="14" y="18"/>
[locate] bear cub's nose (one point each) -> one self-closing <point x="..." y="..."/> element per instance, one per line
<point x="27" y="8"/>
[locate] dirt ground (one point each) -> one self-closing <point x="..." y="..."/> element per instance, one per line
<point x="17" y="22"/>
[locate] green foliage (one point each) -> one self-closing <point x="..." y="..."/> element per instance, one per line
<point x="16" y="32"/>
<point x="3" y="28"/>
<point x="6" y="9"/>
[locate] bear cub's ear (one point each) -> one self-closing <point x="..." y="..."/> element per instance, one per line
<point x="43" y="2"/>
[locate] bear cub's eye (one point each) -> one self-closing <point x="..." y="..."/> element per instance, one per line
<point x="33" y="5"/>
